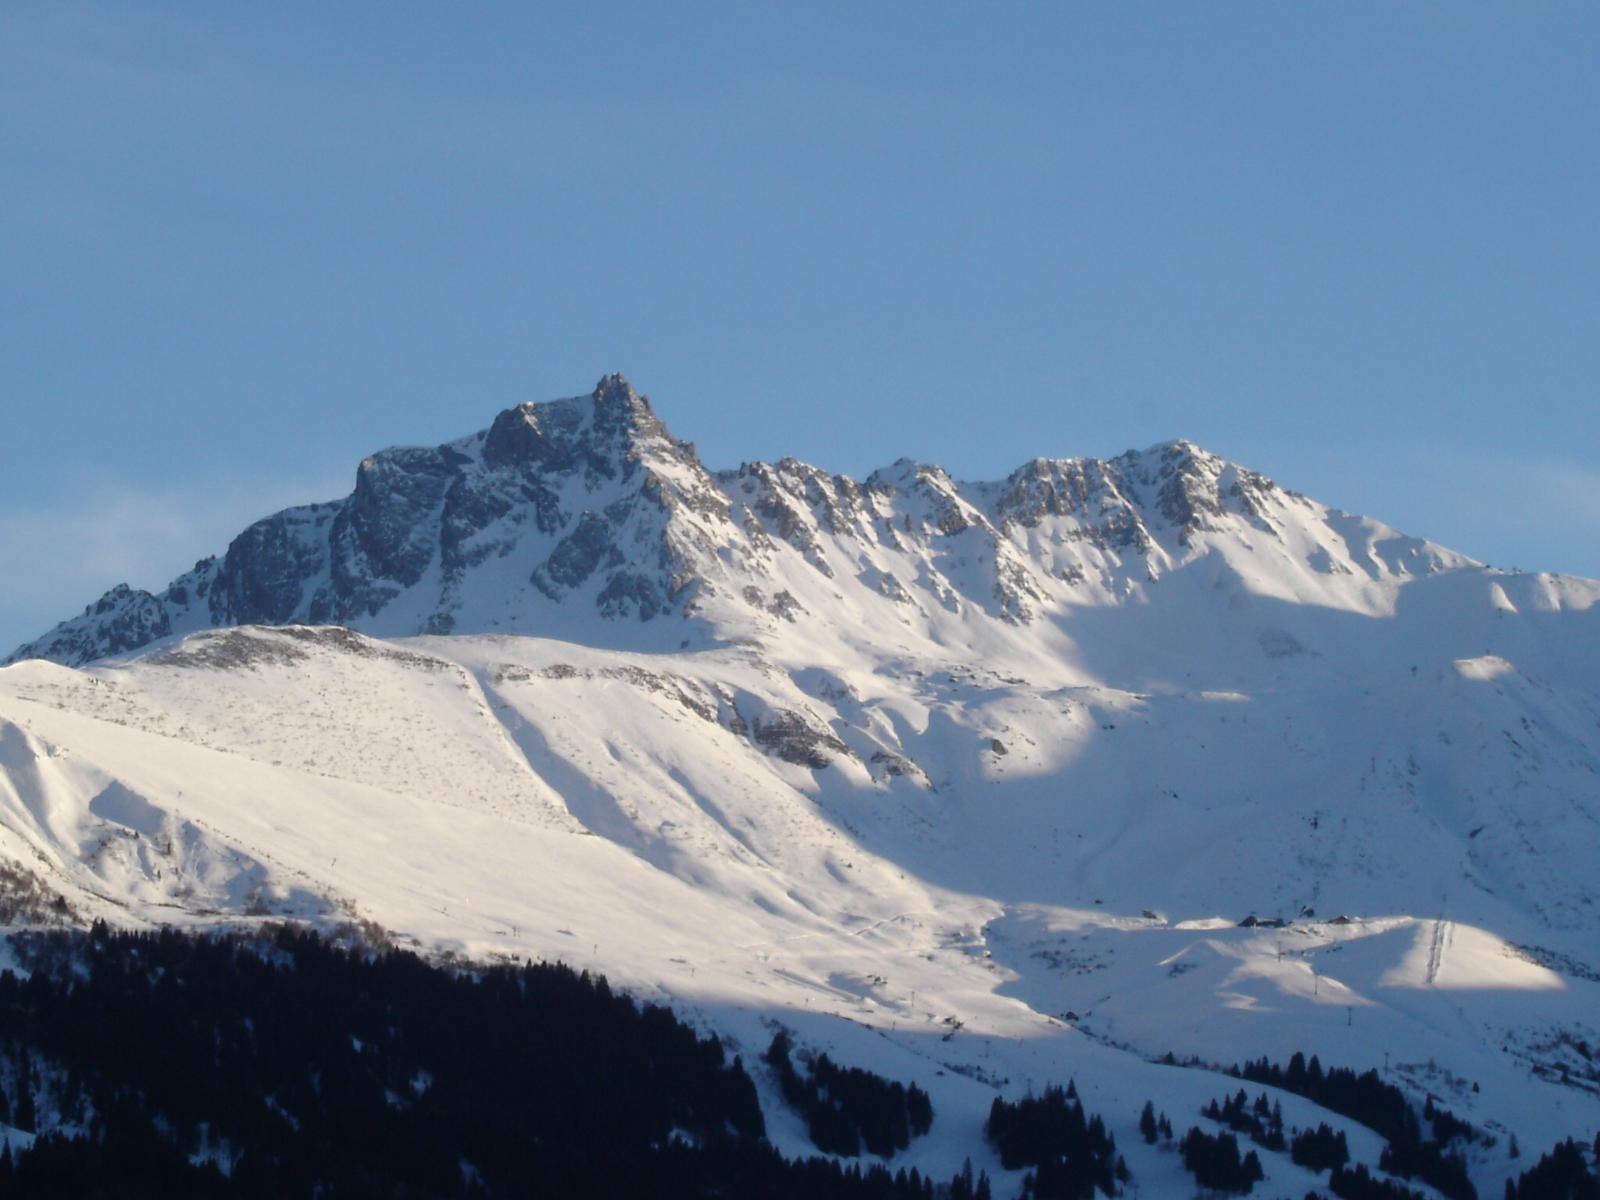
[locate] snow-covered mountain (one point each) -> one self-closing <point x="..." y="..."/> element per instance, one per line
<point x="992" y="771"/>
<point x="586" y="517"/>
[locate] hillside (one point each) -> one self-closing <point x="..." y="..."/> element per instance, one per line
<point x="970" y="783"/>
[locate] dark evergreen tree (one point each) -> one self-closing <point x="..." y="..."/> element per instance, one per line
<point x="847" y="1108"/>
<point x="1360" y="1184"/>
<point x="1147" y="1123"/>
<point x="1071" y="1153"/>
<point x="1561" y="1174"/>
<point x="1214" y="1161"/>
<point x="1261" y="1122"/>
<point x="1383" y="1108"/>
<point x="1319" y="1149"/>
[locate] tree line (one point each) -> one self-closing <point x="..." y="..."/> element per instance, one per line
<point x="280" y="1064"/>
<point x="847" y="1108"/>
<point x="1411" y="1153"/>
<point x="1071" y="1152"/>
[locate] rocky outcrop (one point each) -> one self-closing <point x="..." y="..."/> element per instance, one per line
<point x="787" y="735"/>
<point x="123" y="619"/>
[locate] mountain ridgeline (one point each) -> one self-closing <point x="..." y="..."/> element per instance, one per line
<point x="590" y="508"/>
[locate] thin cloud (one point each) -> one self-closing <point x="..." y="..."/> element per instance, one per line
<point x="1576" y="487"/>
<point x="1540" y="514"/>
<point x="59" y="559"/>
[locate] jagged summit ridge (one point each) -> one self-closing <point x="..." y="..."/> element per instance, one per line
<point x="586" y="516"/>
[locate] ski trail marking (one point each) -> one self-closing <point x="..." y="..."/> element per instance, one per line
<point x="1441" y="930"/>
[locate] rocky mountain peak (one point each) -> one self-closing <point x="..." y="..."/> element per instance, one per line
<point x="618" y="406"/>
<point x="603" y="431"/>
<point x="567" y="511"/>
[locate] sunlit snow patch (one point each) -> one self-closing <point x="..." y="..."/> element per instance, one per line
<point x="1484" y="667"/>
<point x="1456" y="957"/>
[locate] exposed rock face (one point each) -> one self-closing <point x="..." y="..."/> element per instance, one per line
<point x="589" y="508"/>
<point x="789" y="736"/>
<point x="127" y="619"/>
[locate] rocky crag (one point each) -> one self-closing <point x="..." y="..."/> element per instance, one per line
<point x="588" y="513"/>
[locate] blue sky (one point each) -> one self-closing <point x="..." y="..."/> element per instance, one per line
<point x="1352" y="246"/>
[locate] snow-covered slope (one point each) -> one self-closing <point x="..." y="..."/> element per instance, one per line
<point x="991" y="771"/>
